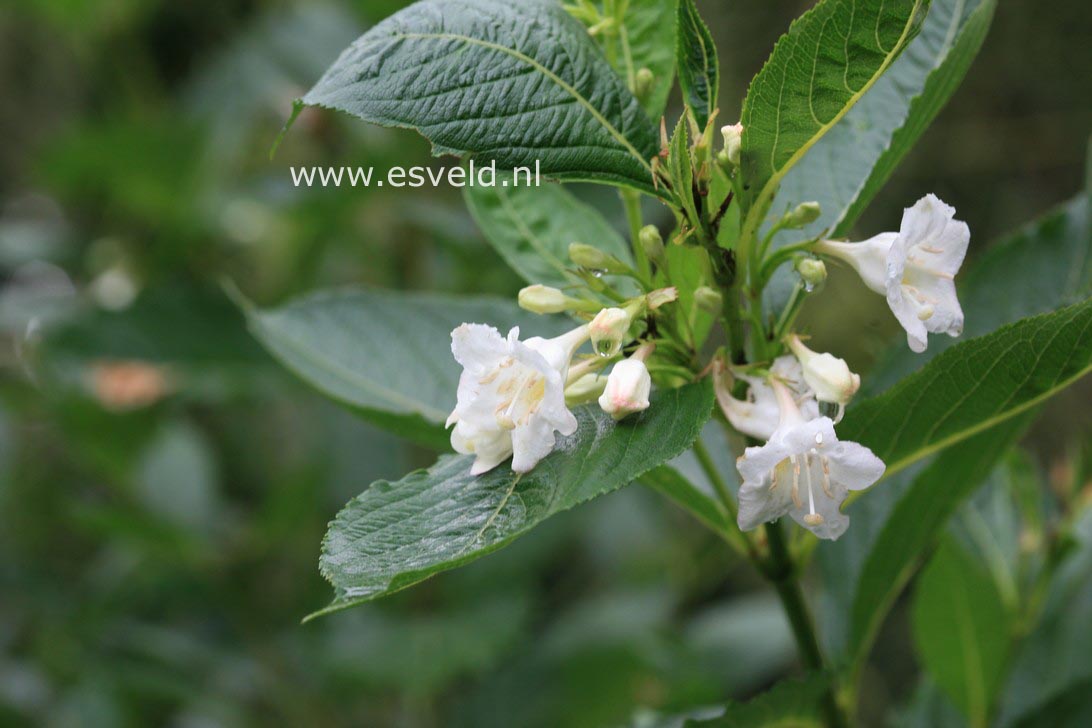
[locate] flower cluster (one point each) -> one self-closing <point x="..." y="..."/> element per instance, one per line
<point x="514" y="396"/>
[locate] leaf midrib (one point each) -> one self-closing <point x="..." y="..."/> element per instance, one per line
<point x="553" y="77"/>
<point x="752" y="223"/>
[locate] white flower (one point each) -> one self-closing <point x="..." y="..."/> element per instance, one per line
<point x="511" y="395"/>
<point x="758" y="414"/>
<point x="628" y="387"/>
<point x="826" y="374"/>
<point x="915" y="268"/>
<point x="804" y="471"/>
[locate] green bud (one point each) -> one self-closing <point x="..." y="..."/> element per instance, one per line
<point x="594" y="259"/>
<point x="812" y="271"/>
<point x="651" y="242"/>
<point x="544" y="299"/>
<point x="801" y="215"/>
<point x="708" y="299"/>
<point x="642" y="83"/>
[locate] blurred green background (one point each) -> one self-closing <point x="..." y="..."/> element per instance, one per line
<point x="160" y="521"/>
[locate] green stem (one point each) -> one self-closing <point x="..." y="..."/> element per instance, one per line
<point x="739" y="540"/>
<point x="781" y="571"/>
<point x="631" y="200"/>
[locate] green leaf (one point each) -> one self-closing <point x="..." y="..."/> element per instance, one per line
<point x="386" y="354"/>
<point x="967" y="392"/>
<point x="961" y="630"/>
<point x="396" y="534"/>
<point x="1041" y="268"/>
<point x="701" y="504"/>
<point x="1052" y="670"/>
<point x="825" y="64"/>
<point x="650" y="33"/>
<point x="699" y="70"/>
<point x="532" y="228"/>
<point x="515" y="83"/>
<point x="1072" y="708"/>
<point x="974" y="386"/>
<point x="846" y="168"/>
<point x="913" y="524"/>
<point x="795" y="704"/>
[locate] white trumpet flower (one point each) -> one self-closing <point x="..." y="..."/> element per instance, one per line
<point x="758" y="415"/>
<point x="804" y="471"/>
<point x="511" y="396"/>
<point x="914" y="268"/>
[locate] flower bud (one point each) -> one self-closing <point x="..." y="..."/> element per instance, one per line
<point x="651" y="242"/>
<point x="828" y="375"/>
<point x="661" y="296"/>
<point x="813" y="271"/>
<point x="594" y="259"/>
<point x="628" y="387"/>
<point x="803" y="214"/>
<point x="642" y="83"/>
<point x="585" y="389"/>
<point x="544" y="299"/>
<point x="708" y="299"/>
<point x="733" y="142"/>
<point x="608" y="330"/>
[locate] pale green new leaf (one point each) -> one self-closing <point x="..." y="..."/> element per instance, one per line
<point x="386" y="354"/>
<point x="532" y="227"/>
<point x="817" y="72"/>
<point x="517" y="83"/>
<point x="396" y="534"/>
<point x="847" y="167"/>
<point x="974" y="386"/>
<point x="961" y="629"/>
<point x="699" y="70"/>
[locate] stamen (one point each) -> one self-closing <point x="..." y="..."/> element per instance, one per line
<point x="796" y="482"/>
<point x="811" y="496"/>
<point x="826" y="477"/>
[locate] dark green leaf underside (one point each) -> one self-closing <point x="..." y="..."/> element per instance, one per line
<point x="387" y="354"/>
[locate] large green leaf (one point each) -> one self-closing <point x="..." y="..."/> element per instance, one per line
<point x="518" y="83"/>
<point x="650" y="33"/>
<point x="961" y="629"/>
<point x="532" y="227"/>
<point x="847" y="167"/>
<point x="396" y="534"/>
<point x="1041" y="268"/>
<point x="386" y="354"/>
<point x="699" y="70"/>
<point x="817" y="72"/>
<point x="911" y="526"/>
<point x="974" y="386"/>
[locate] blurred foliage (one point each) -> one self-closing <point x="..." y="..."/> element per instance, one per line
<point x="164" y="485"/>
